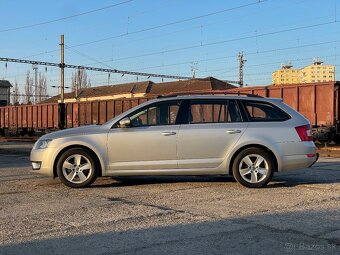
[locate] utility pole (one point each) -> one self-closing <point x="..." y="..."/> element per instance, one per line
<point x="62" y="66"/>
<point x="61" y="106"/>
<point x="35" y="68"/>
<point x="241" y="63"/>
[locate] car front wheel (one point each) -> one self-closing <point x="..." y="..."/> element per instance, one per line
<point x="253" y="168"/>
<point x="77" y="168"/>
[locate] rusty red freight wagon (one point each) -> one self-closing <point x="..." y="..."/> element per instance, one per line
<point x="29" y="117"/>
<point x="319" y="102"/>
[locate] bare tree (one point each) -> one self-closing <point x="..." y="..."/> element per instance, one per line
<point x="28" y="96"/>
<point x="41" y="88"/>
<point x="80" y="80"/>
<point x="16" y="94"/>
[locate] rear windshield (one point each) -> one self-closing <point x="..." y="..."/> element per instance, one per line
<point x="263" y="111"/>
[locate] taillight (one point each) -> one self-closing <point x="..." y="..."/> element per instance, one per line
<point x="305" y="133"/>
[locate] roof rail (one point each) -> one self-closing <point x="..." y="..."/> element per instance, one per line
<point x="208" y="93"/>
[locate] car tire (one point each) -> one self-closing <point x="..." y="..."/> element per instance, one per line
<point x="253" y="167"/>
<point x="77" y="168"/>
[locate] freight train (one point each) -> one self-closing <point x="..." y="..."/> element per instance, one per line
<point x="318" y="102"/>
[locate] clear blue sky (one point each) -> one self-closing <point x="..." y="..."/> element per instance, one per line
<point x="208" y="33"/>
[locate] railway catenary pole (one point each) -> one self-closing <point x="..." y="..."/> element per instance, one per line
<point x="62" y="66"/>
<point x="241" y="64"/>
<point x="35" y="68"/>
<point x="61" y="105"/>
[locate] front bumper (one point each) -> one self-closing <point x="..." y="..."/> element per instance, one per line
<point x="42" y="161"/>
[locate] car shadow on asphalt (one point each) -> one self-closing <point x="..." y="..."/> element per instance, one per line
<point x="304" y="177"/>
<point x="279" y="180"/>
<point x="149" y="180"/>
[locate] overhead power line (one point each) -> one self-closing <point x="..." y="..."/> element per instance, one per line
<point x="218" y="58"/>
<point x="205" y="25"/>
<point x="156" y="27"/>
<point x="65" y="18"/>
<point x="171" y="23"/>
<point x="185" y="62"/>
<point x="224" y="41"/>
<point x="87" y="56"/>
<point x="208" y="44"/>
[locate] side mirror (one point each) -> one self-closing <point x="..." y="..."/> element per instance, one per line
<point x="124" y="123"/>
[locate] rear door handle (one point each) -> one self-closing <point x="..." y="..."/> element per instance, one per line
<point x="233" y="131"/>
<point x="168" y="133"/>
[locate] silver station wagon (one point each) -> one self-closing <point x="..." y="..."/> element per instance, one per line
<point x="246" y="137"/>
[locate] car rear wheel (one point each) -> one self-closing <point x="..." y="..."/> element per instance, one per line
<point x="253" y="168"/>
<point x="77" y="168"/>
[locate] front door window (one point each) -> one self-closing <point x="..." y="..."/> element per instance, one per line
<point x="160" y="114"/>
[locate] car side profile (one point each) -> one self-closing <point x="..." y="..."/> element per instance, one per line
<point x="246" y="137"/>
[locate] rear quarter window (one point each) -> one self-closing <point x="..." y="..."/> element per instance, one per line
<point x="263" y="111"/>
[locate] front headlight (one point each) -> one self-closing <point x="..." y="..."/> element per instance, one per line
<point x="42" y="144"/>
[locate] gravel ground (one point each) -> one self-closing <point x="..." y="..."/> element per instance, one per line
<point x="298" y="213"/>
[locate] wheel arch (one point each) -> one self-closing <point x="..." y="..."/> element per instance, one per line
<point x="265" y="148"/>
<point x="74" y="146"/>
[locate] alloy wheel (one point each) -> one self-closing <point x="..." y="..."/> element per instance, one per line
<point x="77" y="168"/>
<point x="253" y="168"/>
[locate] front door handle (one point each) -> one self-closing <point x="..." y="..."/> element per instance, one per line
<point x="168" y="133"/>
<point x="233" y="131"/>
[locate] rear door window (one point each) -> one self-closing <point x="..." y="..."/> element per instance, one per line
<point x="263" y="111"/>
<point x="213" y="111"/>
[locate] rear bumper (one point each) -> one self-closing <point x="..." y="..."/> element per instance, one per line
<point x="297" y="162"/>
<point x="297" y="155"/>
<point x="317" y="157"/>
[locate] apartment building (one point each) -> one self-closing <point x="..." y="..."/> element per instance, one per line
<point x="316" y="72"/>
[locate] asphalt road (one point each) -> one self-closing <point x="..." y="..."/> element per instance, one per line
<point x="298" y="213"/>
